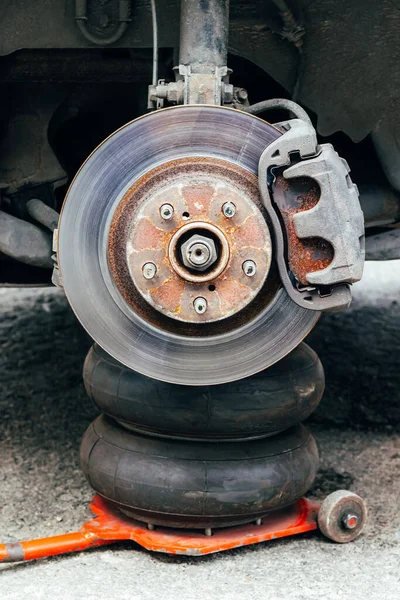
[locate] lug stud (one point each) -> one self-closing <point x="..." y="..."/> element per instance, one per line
<point x="229" y="210"/>
<point x="200" y="305"/>
<point x="149" y="270"/>
<point x="167" y="211"/>
<point x="249" y="268"/>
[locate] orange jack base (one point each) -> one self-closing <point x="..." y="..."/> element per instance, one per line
<point x="109" y="525"/>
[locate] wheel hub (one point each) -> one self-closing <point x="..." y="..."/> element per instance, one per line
<point x="197" y="251"/>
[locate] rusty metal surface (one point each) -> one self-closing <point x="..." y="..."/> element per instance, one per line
<point x="308" y="254"/>
<point x="221" y="251"/>
<point x="197" y="188"/>
<point x="336" y="217"/>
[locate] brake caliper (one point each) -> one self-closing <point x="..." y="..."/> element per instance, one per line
<point x="306" y="187"/>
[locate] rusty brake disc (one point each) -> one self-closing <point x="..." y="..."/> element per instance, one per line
<point x="159" y="268"/>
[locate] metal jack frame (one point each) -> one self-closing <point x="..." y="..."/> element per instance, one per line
<point x="341" y="518"/>
<point x="110" y="525"/>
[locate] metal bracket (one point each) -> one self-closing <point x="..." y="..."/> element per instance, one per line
<point x="56" y="278"/>
<point x="336" y="218"/>
<point x="110" y="525"/>
<point x="207" y="87"/>
<point x="210" y="86"/>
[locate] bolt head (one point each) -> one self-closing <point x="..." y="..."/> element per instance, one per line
<point x="249" y="268"/>
<point x="174" y="91"/>
<point x="228" y="93"/>
<point x="167" y="211"/>
<point x="149" y="270"/>
<point x="350" y="521"/>
<point x="229" y="210"/>
<point x="242" y="94"/>
<point x="200" y="305"/>
<point x="199" y="252"/>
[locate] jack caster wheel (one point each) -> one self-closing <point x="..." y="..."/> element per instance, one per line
<point x="197" y="484"/>
<point x="270" y="401"/>
<point x="342" y="516"/>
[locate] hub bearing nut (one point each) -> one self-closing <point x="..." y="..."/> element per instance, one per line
<point x="199" y="252"/>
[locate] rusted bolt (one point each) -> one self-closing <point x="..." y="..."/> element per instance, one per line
<point x="200" y="305"/>
<point x="229" y="210"/>
<point x="350" y="521"/>
<point x="249" y="268"/>
<point x="199" y="252"/>
<point x="242" y="94"/>
<point x="149" y="270"/>
<point x="167" y="211"/>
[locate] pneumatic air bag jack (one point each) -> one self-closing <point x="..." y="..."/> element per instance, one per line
<point x="196" y="496"/>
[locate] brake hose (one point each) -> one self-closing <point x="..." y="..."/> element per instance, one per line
<point x="279" y="103"/>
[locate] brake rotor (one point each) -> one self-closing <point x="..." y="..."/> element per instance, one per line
<point x="159" y="268"/>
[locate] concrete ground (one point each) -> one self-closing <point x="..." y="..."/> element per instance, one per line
<point x="44" y="412"/>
